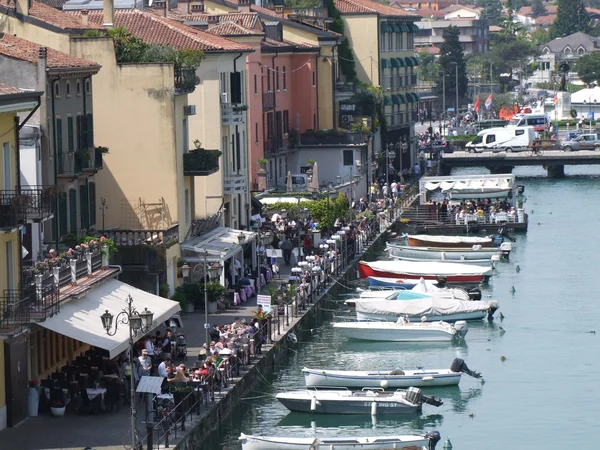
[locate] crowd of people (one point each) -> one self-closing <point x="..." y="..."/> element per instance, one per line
<point x="479" y="210"/>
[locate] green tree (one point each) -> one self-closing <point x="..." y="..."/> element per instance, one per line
<point x="538" y="8"/>
<point x="451" y="57"/>
<point x="492" y="10"/>
<point x="571" y="17"/>
<point x="540" y="36"/>
<point x="429" y="68"/>
<point x="346" y="58"/>
<point x="588" y="68"/>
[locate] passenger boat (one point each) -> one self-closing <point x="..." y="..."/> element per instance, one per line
<point x="427" y="441"/>
<point x="402" y="331"/>
<point x="426" y="240"/>
<point x="455" y="273"/>
<point x="367" y="401"/>
<point x="392" y="379"/>
<point x="465" y="254"/>
<point x="427" y="309"/>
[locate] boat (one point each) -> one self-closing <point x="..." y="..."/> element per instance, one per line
<point x="426" y="240"/>
<point x="426" y="441"/>
<point x="465" y="254"/>
<point x="366" y="401"/>
<point x="398" y="283"/>
<point x="392" y="379"/>
<point x="431" y="309"/>
<point x="381" y="284"/>
<point x="419" y="292"/>
<point x="402" y="331"/>
<point x="454" y="273"/>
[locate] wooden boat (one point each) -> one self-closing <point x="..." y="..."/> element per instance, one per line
<point x="366" y="401"/>
<point x="454" y="273"/>
<point x="426" y="240"/>
<point x="392" y="379"/>
<point x="422" y="442"/>
<point x="402" y="331"/>
<point x="465" y="254"/>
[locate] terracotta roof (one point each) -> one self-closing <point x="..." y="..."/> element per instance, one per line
<point x="268" y="42"/>
<point x="527" y="10"/>
<point x="17" y="48"/>
<point x="59" y="18"/>
<point x="495" y="29"/>
<point x="370" y="7"/>
<point x="156" y="29"/>
<point x="5" y="89"/>
<point x="431" y="50"/>
<point x="233" y="29"/>
<point x="58" y="4"/>
<point x="545" y="20"/>
<point x="249" y="20"/>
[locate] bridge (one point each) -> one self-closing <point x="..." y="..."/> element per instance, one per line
<point x="554" y="161"/>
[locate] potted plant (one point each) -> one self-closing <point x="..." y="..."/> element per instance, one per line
<point x="33" y="398"/>
<point x="262" y="162"/>
<point x="58" y="407"/>
<point x="215" y="292"/>
<point x="184" y="298"/>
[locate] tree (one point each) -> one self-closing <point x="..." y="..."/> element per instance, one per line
<point x="346" y="58"/>
<point x="540" y="36"/>
<point x="571" y="17"/>
<point x="538" y="8"/>
<point x="588" y="68"/>
<point x="429" y="68"/>
<point x="492" y="10"/>
<point x="451" y="57"/>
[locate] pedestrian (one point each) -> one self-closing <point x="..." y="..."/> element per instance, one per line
<point x="286" y="247"/>
<point x="417" y="170"/>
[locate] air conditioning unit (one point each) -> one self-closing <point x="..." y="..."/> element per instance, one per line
<point x="224" y="98"/>
<point x="347" y="119"/>
<point x="189" y="110"/>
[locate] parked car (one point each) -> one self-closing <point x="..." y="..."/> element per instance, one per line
<point x="437" y="146"/>
<point x="590" y="141"/>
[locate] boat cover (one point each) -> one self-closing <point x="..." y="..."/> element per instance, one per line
<point x="429" y="268"/>
<point x="467" y="240"/>
<point x="425" y="307"/>
<point x="423" y="287"/>
<point x="458" y="185"/>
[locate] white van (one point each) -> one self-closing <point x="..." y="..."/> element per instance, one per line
<point x="537" y="121"/>
<point x="502" y="140"/>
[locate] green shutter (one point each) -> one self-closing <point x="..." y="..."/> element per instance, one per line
<point x="401" y="62"/>
<point x="59" y="139"/>
<point x="73" y="211"/>
<point x="70" y="138"/>
<point x="84" y="207"/>
<point x="92" y="195"/>
<point x="90" y="131"/>
<point x="62" y="215"/>
<point x="387" y="101"/>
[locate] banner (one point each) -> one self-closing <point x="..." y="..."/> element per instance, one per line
<point x="477" y="104"/>
<point x="265" y="302"/>
<point x="488" y="102"/>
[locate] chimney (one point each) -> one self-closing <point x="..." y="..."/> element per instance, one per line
<point x="159" y="5"/>
<point x="85" y="18"/>
<point x="109" y="13"/>
<point x="279" y="10"/>
<point x="197" y="7"/>
<point x="41" y="68"/>
<point x="244" y="6"/>
<point x="213" y="20"/>
<point x="23" y="6"/>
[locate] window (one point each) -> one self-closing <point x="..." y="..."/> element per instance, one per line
<point x="235" y="79"/>
<point x="277" y="78"/>
<point x="88" y="87"/>
<point x="519" y="132"/>
<point x="255" y="85"/>
<point x="56" y="89"/>
<point x="92" y="195"/>
<point x="7" y="164"/>
<point x="268" y="80"/>
<point x="73" y="211"/>
<point x="581" y="50"/>
<point x="314" y="78"/>
<point x="314" y="121"/>
<point x="286" y="122"/>
<point x="278" y="124"/>
<point x="70" y="137"/>
<point x="187" y="205"/>
<point x="256" y="132"/>
<point x="568" y="50"/>
<point x="490" y="138"/>
<point x="59" y="139"/>
<point x="84" y="205"/>
<point x="270" y="124"/>
<point x="68" y="88"/>
<point x="284" y="79"/>
<point x="348" y="157"/>
<point x="78" y="87"/>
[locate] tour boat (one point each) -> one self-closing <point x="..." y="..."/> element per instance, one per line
<point x="392" y="379"/>
<point x="427" y="441"/>
<point x="366" y="401"/>
<point x="465" y="254"/>
<point x="426" y="240"/>
<point x="455" y="273"/>
<point x="402" y="331"/>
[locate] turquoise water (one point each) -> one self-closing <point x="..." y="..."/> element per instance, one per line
<point x="542" y="396"/>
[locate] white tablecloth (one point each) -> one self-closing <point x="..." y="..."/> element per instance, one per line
<point x="93" y="393"/>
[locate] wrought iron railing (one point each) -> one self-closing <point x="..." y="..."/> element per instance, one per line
<point x="25" y="204"/>
<point x="201" y="162"/>
<point x="325" y="138"/>
<point x="268" y="101"/>
<point x="275" y="146"/>
<point x="185" y="80"/>
<point x="149" y="238"/>
<point x="19" y="308"/>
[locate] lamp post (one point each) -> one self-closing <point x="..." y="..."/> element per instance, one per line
<point x="303" y="216"/>
<point x="210" y="272"/>
<point x="389" y="154"/>
<point x="443" y="116"/>
<point x="456" y="90"/>
<point x="137" y="322"/>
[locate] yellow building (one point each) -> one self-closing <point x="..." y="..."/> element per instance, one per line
<point x="15" y="108"/>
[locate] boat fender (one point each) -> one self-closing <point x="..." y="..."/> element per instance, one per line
<point x="434" y="437"/>
<point x="384" y="384"/>
<point x="313" y="404"/>
<point x="374" y="408"/>
<point x="459" y="365"/>
<point x="427" y="378"/>
<point x="291" y="337"/>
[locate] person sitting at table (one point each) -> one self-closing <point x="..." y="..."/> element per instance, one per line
<point x="180" y="376"/>
<point x="162" y="367"/>
<point x="170" y="372"/>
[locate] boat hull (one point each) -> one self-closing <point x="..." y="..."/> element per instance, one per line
<point x="444" y="253"/>
<point x="349" y="406"/>
<point x="420" y="378"/>
<point x="426" y="241"/>
<point x="339" y="443"/>
<point x="425" y="259"/>
<point x="474" y="315"/>
<point x="366" y="271"/>
<point x="351" y="331"/>
<point x="399" y="283"/>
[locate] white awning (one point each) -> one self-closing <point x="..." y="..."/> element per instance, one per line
<point x="273" y="200"/>
<point x="221" y="243"/>
<point x="80" y="319"/>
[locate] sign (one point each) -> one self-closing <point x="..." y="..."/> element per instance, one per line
<point x="150" y="385"/>
<point x="590" y="115"/>
<point x="347" y="107"/>
<point x="265" y="302"/>
<point x="274" y="253"/>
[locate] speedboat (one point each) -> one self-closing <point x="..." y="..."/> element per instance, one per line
<point x="446" y="293"/>
<point x="426" y="240"/>
<point x="426" y="309"/>
<point x="403" y="330"/>
<point x="454" y="273"/>
<point x="427" y="441"/>
<point x="392" y="379"/>
<point x="466" y="254"/>
<point x="367" y="401"/>
<point x="396" y="283"/>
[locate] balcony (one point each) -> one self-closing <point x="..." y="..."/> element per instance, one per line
<point x="201" y="163"/>
<point x="31" y="204"/>
<point x="344" y="91"/>
<point x="91" y="160"/>
<point x="159" y="238"/>
<point x="275" y="146"/>
<point x="234" y="184"/>
<point x="185" y="80"/>
<point x="68" y="166"/>
<point x="331" y="138"/>
<point x="268" y="101"/>
<point x="20" y="308"/>
<point x="233" y="114"/>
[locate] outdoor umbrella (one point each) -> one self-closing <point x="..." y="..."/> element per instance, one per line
<point x="288" y="182"/>
<point x="314" y="184"/>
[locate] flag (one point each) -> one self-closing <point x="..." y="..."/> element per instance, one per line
<point x="488" y="102"/>
<point x="555" y="99"/>
<point x="477" y="104"/>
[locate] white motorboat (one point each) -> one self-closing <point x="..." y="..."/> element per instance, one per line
<point x="392" y="379"/>
<point x="403" y="331"/>
<point x="426" y="240"/>
<point x="428" y="309"/>
<point x="367" y="401"/>
<point x="419" y="292"/>
<point x="427" y="441"/>
<point x="475" y="254"/>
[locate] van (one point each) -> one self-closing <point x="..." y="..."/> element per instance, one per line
<point x="502" y="140"/>
<point x="537" y="121"/>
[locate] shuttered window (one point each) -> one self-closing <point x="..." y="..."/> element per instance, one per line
<point x="73" y="211"/>
<point x="59" y="136"/>
<point x="70" y="137"/>
<point x="62" y="215"/>
<point x="92" y="196"/>
<point x="80" y="132"/>
<point x="89" y="128"/>
<point x="84" y="207"/>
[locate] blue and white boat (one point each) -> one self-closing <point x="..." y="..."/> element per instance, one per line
<point x="397" y="283"/>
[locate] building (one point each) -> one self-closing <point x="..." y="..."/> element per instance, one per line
<point x="58" y="151"/>
<point x="424" y="5"/>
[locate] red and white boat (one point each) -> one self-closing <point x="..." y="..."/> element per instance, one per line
<point x="455" y="273"/>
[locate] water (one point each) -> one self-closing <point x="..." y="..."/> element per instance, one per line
<point x="543" y="395"/>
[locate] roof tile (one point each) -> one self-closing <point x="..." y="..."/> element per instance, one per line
<point x="6" y="89"/>
<point x="249" y="20"/>
<point x="370" y="7"/>
<point x="233" y="29"/>
<point x="59" y="18"/>
<point x="17" y="48"/>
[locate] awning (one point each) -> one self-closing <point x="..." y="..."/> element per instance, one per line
<point x="400" y="62"/>
<point x="416" y="60"/>
<point x="221" y="243"/>
<point x="404" y="28"/>
<point x="80" y="319"/>
<point x="409" y="61"/>
<point x="395" y="62"/>
<point x="385" y="63"/>
<point x="387" y="101"/>
<point x="396" y="28"/>
<point x="415" y="27"/>
<point x="385" y="28"/>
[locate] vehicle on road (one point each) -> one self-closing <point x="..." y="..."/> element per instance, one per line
<point x="503" y="140"/>
<point x="537" y="121"/>
<point x="590" y="141"/>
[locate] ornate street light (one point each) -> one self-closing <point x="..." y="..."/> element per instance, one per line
<point x="185" y="271"/>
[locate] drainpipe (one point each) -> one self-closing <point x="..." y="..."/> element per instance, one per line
<point x="317" y="83"/>
<point x="238" y="153"/>
<point x="333" y="110"/>
<point x="54" y="144"/>
<point x="274" y="105"/>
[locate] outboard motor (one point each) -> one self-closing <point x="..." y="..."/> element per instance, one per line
<point x="415" y="395"/>
<point x="441" y="282"/>
<point x="434" y="438"/>
<point x="505" y="249"/>
<point x="461" y="328"/>
<point x="459" y="365"/>
<point x="474" y="293"/>
<point x="494" y="306"/>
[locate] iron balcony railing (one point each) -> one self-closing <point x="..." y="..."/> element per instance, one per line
<point x="275" y="146"/>
<point x="268" y="101"/>
<point x="161" y="238"/>
<point x="201" y="162"/>
<point x="20" y="308"/>
<point x="30" y="204"/>
<point x="324" y="138"/>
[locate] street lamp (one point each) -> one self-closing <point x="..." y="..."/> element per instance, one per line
<point x="456" y="90"/>
<point x="185" y="271"/>
<point x="137" y="322"/>
<point x="443" y="118"/>
<point x="338" y="179"/>
<point x="212" y="272"/>
<point x="303" y="216"/>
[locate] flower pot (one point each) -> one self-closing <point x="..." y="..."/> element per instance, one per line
<point x="189" y="308"/>
<point x="33" y="402"/>
<point x="212" y="307"/>
<point x="58" y="412"/>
